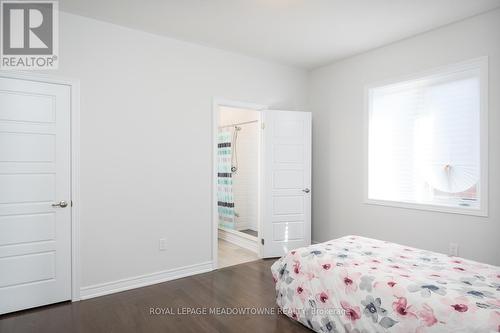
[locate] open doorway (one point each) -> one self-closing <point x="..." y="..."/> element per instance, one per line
<point x="261" y="182"/>
<point x="238" y="178"/>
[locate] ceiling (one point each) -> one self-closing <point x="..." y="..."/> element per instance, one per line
<point x="302" y="33"/>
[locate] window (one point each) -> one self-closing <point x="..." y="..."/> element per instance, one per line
<point x="427" y="141"/>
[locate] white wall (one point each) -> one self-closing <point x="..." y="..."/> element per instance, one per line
<point x="145" y="140"/>
<point x="246" y="179"/>
<point x="337" y="103"/>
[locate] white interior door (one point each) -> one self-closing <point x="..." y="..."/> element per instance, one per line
<point x="286" y="187"/>
<point x="35" y="236"/>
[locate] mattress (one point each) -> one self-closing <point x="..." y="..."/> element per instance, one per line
<point x="357" y="284"/>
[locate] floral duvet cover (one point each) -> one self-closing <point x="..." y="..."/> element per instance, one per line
<point x="357" y="284"/>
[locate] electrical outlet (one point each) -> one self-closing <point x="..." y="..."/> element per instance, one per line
<point x="163" y="244"/>
<point x="453" y="250"/>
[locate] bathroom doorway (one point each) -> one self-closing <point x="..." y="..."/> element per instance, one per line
<point x="261" y="179"/>
<point x="238" y="181"/>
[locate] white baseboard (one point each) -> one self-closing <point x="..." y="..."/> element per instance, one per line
<point x="143" y="280"/>
<point x="240" y="239"/>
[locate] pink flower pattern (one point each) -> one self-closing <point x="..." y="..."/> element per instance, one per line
<point x="376" y="286"/>
<point x="351" y="312"/>
<point x="402" y="309"/>
<point x="426" y="315"/>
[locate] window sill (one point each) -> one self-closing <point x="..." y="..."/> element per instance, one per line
<point x="426" y="207"/>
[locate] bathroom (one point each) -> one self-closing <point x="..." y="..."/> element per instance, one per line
<point x="238" y="181"/>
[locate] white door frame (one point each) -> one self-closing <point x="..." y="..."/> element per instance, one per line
<point x="214" y="220"/>
<point x="74" y="86"/>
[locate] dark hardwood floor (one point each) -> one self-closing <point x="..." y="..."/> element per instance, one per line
<point x="241" y="286"/>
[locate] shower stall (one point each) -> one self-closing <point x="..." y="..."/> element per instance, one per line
<point x="238" y="153"/>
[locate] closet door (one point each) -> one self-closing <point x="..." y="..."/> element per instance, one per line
<point x="35" y="188"/>
<point x="286" y="182"/>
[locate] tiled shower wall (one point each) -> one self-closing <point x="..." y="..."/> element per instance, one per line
<point x="246" y="178"/>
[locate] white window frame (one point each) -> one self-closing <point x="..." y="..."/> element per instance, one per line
<point x="482" y="64"/>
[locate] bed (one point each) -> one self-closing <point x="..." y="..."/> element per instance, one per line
<point x="357" y="284"/>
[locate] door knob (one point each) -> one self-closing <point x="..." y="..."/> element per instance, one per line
<point x="306" y="190"/>
<point x="61" y="204"/>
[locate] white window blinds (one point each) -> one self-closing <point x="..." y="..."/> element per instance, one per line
<point x="424" y="140"/>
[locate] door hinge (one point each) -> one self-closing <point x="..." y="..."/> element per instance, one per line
<point x="262" y="241"/>
<point x="71" y="203"/>
<point x="262" y="125"/>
